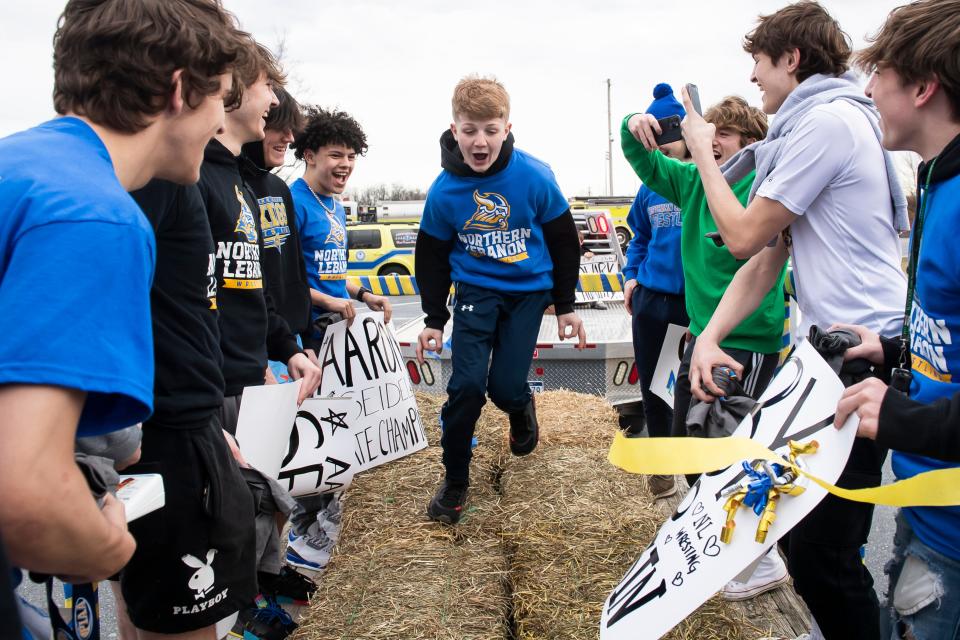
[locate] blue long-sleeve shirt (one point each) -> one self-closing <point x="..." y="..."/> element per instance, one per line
<point x="653" y="255"/>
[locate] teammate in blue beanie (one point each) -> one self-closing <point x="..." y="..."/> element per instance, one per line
<point x="653" y="290"/>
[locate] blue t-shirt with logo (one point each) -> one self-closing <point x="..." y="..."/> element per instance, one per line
<point x="76" y="264"/>
<point x="935" y="350"/>
<point x="497" y="222"/>
<point x="323" y="236"/>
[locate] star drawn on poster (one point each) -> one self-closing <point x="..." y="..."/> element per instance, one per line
<point x="335" y="420"/>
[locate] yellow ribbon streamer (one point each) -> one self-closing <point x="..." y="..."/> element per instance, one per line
<point x="666" y="456"/>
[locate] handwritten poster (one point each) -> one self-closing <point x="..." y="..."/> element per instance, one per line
<point x="687" y="562"/>
<point x="365" y="414"/>
<point x="604" y="263"/>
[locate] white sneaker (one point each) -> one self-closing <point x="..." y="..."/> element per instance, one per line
<point x="329" y="520"/>
<point x="311" y="551"/>
<point x="770" y="573"/>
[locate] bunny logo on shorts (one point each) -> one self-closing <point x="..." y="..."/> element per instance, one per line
<point x="203" y="578"/>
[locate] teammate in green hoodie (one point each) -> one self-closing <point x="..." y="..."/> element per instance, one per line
<point x="709" y="268"/>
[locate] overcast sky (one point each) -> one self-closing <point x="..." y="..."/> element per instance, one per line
<point x="393" y="66"/>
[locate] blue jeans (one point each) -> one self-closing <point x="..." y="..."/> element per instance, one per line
<point x="924" y="597"/>
<point x="653" y="312"/>
<point x="494" y="334"/>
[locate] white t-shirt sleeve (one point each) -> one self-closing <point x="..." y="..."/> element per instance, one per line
<point x="814" y="154"/>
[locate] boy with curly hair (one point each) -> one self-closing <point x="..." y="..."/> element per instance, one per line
<point x="329" y="144"/>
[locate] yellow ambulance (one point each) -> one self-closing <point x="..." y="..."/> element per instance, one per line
<point x="381" y="249"/>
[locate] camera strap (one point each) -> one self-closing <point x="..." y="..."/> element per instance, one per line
<point x="912" y="265"/>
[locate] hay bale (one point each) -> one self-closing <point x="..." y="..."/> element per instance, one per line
<point x="543" y="541"/>
<point x="395" y="574"/>
<point x="569" y="541"/>
<point x="571" y="528"/>
<point x="569" y="419"/>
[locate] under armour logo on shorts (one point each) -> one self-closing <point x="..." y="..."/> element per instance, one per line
<point x="466" y="307"/>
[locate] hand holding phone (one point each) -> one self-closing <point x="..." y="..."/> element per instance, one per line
<point x="669" y="130"/>
<point x="670" y="126"/>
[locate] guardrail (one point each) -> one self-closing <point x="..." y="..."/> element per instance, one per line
<point x="407" y="285"/>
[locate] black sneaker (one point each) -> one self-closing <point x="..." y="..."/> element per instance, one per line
<point x="288" y="587"/>
<point x="447" y="505"/>
<point x="524" y="430"/>
<point x="263" y="620"/>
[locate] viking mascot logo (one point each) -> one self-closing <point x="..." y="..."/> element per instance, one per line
<point x="492" y="214"/>
<point x="245" y="222"/>
<point x="337" y="235"/>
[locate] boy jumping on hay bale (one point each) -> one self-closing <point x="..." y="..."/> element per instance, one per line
<point x="497" y="225"/>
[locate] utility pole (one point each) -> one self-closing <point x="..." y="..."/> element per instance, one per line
<point x="609" y="145"/>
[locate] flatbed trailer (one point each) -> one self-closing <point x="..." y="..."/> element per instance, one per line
<point x="604" y="368"/>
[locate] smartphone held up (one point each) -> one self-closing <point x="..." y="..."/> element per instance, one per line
<point x="670" y="126"/>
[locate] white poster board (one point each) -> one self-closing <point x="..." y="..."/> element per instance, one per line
<point x="671" y="353"/>
<point x="366" y="414"/>
<point x="599" y="263"/>
<point x="263" y="426"/>
<point x="333" y="440"/>
<point x="687" y="563"/>
<point x="362" y="363"/>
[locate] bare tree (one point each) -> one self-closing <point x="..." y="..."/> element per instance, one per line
<point x="373" y="194"/>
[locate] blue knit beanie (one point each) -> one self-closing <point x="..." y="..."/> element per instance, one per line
<point x="664" y="103"/>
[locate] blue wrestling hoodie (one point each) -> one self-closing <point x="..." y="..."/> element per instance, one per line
<point x="935" y="336"/>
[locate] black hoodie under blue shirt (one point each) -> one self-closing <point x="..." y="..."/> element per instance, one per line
<point x="508" y="229"/>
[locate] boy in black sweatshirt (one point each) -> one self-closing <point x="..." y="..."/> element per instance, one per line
<point x="250" y="327"/>
<point x="284" y="270"/>
<point x="208" y="506"/>
<point x="497" y="225"/>
<point x="251" y="330"/>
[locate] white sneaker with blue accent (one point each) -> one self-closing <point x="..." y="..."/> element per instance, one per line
<point x="310" y="551"/>
<point x="329" y="520"/>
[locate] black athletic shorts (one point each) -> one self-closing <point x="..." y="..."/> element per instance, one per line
<point x="195" y="557"/>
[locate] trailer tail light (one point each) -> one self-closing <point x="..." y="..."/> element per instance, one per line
<point x="634" y="374"/>
<point x="602" y="225"/>
<point x="427" y="372"/>
<point x="539" y="371"/>
<point x="412" y="370"/>
<point x="598" y="225"/>
<point x="620" y="373"/>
